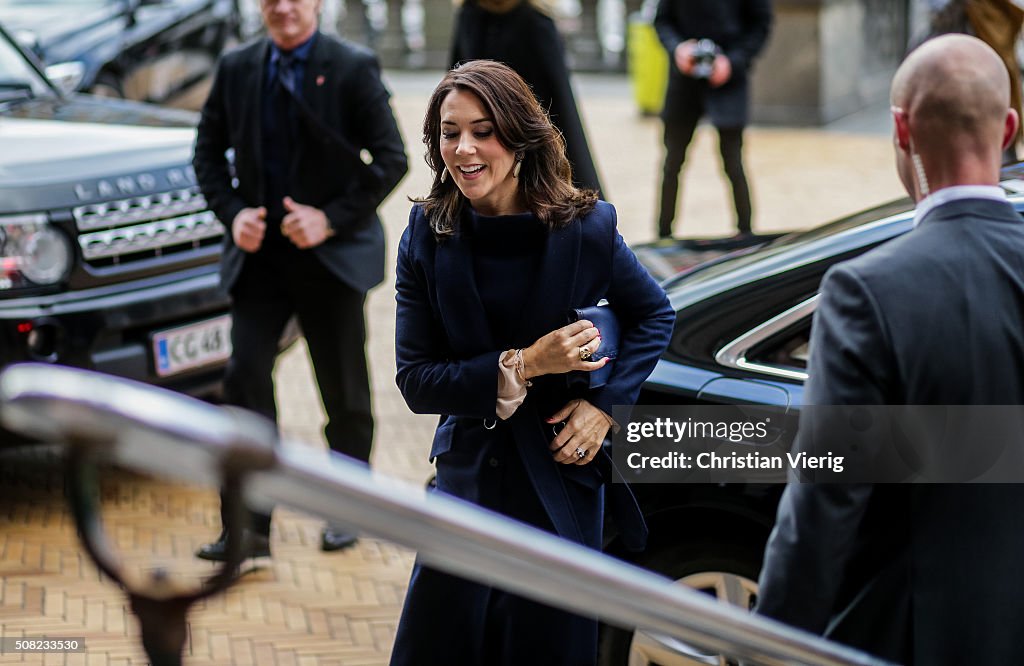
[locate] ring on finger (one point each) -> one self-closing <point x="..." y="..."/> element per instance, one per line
<point x="580" y="453"/>
<point x="584" y="353"/>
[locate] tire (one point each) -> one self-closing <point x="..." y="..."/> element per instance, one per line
<point x="108" y="85"/>
<point x="726" y="567"/>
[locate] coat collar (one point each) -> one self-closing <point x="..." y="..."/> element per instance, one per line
<point x="959" y="209"/>
<point x="551" y="295"/>
<point x="956" y="193"/>
<point x="254" y="101"/>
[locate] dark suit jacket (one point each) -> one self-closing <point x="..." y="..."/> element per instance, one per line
<point x="927" y="574"/>
<point x="342" y="88"/>
<point x="448" y="362"/>
<point x="739" y="27"/>
<point x="527" y="40"/>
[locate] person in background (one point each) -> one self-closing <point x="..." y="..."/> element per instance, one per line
<point x="934" y="317"/>
<point x="492" y="261"/>
<point x="711" y="45"/>
<point x="297" y="109"/>
<point x="522" y="34"/>
<point x="997" y="23"/>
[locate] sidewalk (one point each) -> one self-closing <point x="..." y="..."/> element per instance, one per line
<point x="315" y="608"/>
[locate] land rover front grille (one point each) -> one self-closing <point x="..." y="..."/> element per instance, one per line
<point x="117" y="232"/>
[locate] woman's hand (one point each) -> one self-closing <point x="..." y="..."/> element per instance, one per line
<point x="580" y="438"/>
<point x="562" y="350"/>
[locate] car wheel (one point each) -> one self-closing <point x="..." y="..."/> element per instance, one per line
<point x="108" y="85"/>
<point x="722" y="567"/>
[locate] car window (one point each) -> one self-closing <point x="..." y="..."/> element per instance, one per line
<point x="17" y="78"/>
<point x="789" y="350"/>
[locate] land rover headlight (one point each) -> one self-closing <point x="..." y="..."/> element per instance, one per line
<point x="33" y="252"/>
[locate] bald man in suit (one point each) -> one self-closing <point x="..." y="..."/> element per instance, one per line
<point x="924" y="573"/>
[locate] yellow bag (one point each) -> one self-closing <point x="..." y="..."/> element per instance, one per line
<point x="647" y="63"/>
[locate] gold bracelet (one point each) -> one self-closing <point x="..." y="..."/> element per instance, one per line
<point x="520" y="366"/>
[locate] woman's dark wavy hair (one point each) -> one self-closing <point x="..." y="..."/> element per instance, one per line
<point x="522" y="126"/>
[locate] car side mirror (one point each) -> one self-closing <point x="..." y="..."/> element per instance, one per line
<point x="66" y="76"/>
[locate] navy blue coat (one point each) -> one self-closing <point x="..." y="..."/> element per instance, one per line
<point x="447" y="364"/>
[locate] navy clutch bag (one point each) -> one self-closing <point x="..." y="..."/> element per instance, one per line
<point x="603" y="317"/>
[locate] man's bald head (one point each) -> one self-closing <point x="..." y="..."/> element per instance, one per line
<point x="951" y="99"/>
<point x="953" y="82"/>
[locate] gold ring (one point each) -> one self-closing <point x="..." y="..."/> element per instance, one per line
<point x="584" y="353"/>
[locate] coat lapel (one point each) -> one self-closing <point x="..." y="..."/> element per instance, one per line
<point x="317" y="77"/>
<point x="254" y="100"/>
<point x="316" y="80"/>
<point x="458" y="299"/>
<point x="551" y="295"/>
<point x="552" y="292"/>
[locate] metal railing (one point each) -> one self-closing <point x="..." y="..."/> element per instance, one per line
<point x="109" y="420"/>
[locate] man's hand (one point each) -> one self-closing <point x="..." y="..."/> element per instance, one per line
<point x="683" y="56"/>
<point x="721" y="71"/>
<point x="305" y="226"/>
<point x="248" y="228"/>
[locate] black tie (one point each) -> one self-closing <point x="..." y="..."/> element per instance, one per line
<point x="285" y="73"/>
<point x="284" y="91"/>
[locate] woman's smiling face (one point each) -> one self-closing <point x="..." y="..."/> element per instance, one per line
<point x="478" y="162"/>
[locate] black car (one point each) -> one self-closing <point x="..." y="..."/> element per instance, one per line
<point x="149" y="50"/>
<point x="741" y="338"/>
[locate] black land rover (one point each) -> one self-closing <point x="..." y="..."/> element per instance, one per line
<point x="108" y="252"/>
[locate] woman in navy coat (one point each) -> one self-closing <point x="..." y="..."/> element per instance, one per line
<point x="492" y="261"/>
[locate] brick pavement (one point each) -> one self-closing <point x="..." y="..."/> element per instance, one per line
<point x="341" y="608"/>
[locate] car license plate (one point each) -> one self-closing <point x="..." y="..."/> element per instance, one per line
<point x="185" y="347"/>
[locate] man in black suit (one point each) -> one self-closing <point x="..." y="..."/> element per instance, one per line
<point x="739" y="29"/>
<point x="316" y="150"/>
<point x="924" y="573"/>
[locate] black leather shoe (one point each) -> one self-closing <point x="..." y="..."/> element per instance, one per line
<point x="334" y="539"/>
<point x="254" y="545"/>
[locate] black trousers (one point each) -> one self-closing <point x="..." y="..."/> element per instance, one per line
<point x="679" y="129"/>
<point x="271" y="288"/>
